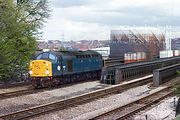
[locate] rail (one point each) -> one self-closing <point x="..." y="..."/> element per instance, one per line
<point x="113" y="61"/>
<point x="62" y="104"/>
<point x="31" y="90"/>
<point x="128" y="110"/>
<point x="124" y="112"/>
<point x="18" y="93"/>
<point x="16" y="84"/>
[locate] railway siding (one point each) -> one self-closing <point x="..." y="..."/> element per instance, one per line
<point x="165" y="110"/>
<point x="17" y="84"/>
<point x="74" y="100"/>
<point x="123" y="112"/>
<point x="95" y="107"/>
<point x="129" y="109"/>
<point x="46" y="96"/>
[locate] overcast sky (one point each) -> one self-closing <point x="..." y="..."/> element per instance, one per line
<point x="93" y="19"/>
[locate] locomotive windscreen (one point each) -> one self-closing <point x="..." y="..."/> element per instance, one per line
<point x="47" y="56"/>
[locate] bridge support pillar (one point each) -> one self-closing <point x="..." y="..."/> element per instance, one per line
<point x="118" y="76"/>
<point x="156" y="78"/>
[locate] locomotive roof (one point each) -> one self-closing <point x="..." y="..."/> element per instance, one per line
<point x="75" y="53"/>
<point x="71" y="53"/>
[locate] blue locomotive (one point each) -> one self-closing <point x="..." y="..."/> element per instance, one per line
<point x="61" y="67"/>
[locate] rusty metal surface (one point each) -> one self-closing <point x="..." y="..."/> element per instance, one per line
<point x="132" y="40"/>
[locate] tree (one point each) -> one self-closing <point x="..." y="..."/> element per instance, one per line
<point x="20" y="22"/>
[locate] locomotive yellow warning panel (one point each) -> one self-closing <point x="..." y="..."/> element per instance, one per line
<point x="40" y="68"/>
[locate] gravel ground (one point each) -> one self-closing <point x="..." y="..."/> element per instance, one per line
<point x="31" y="100"/>
<point x="13" y="89"/>
<point x="86" y="111"/>
<point x="164" y="111"/>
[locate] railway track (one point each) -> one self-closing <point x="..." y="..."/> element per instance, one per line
<point x="130" y="109"/>
<point x="16" y="93"/>
<point x="31" y="90"/>
<point x="18" y="84"/>
<point x="113" y="61"/>
<point x="73" y="101"/>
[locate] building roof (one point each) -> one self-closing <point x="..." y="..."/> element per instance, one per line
<point x="138" y="30"/>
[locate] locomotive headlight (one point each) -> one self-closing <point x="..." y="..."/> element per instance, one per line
<point x="47" y="71"/>
<point x="30" y="72"/>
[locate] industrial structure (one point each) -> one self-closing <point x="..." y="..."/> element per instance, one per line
<point x="150" y="40"/>
<point x="176" y="44"/>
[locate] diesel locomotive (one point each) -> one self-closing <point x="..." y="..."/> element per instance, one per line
<point x="61" y="67"/>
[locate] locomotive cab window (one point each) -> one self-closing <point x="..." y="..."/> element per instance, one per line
<point x="42" y="56"/>
<point x="39" y="57"/>
<point x="45" y="55"/>
<point x="52" y="57"/>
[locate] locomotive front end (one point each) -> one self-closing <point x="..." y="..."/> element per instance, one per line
<point x="40" y="72"/>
